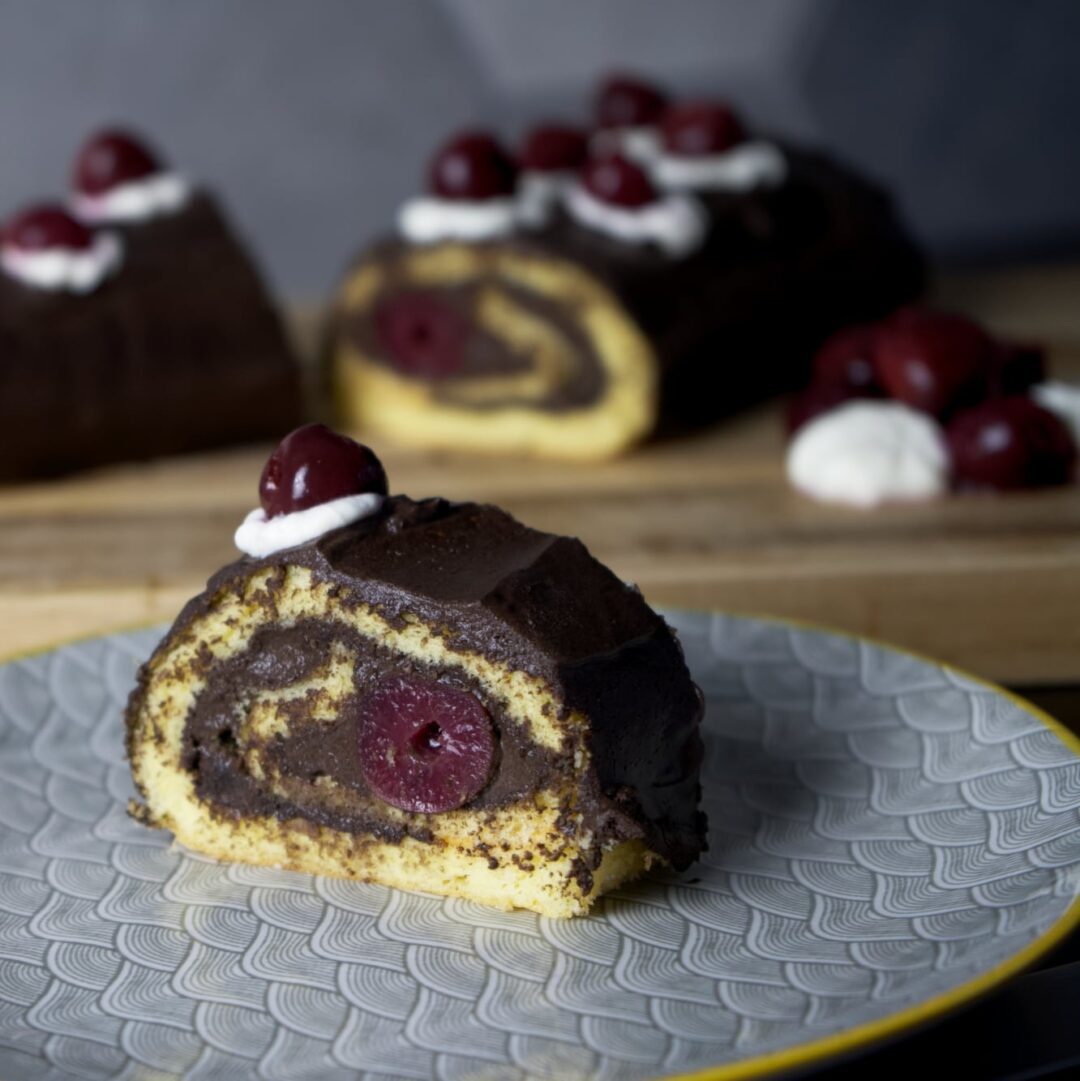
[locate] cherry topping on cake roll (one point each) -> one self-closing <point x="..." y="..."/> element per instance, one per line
<point x="117" y="178"/>
<point x="615" y="196"/>
<point x="472" y="182"/>
<point x="933" y="361"/>
<point x="628" y="111"/>
<point x="704" y="147"/>
<point x="1010" y="443"/>
<point x="44" y="247"/>
<point x="314" y="481"/>
<point x="549" y="159"/>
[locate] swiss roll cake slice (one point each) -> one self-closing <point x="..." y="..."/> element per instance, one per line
<point x="573" y="299"/>
<point x="424" y="694"/>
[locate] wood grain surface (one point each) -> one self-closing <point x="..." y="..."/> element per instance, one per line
<point x="988" y="583"/>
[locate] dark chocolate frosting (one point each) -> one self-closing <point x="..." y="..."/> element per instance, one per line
<point x="181" y="349"/>
<point x="537" y="603"/>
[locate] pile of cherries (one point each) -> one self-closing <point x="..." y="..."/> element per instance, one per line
<point x="105" y="161"/>
<point x="975" y="386"/>
<point x="474" y="166"/>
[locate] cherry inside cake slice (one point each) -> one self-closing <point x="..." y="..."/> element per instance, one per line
<point x="425" y="694"/>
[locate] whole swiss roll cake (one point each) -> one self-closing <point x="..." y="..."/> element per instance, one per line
<point x="575" y="296"/>
<point x="133" y="322"/>
<point x="424" y="694"/>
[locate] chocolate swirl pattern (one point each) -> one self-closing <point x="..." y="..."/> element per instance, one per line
<point x="884" y="831"/>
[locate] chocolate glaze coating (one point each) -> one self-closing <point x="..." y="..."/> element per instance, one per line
<point x="180" y="350"/>
<point x="538" y="603"/>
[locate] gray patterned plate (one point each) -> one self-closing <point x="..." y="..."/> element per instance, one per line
<point x="889" y="838"/>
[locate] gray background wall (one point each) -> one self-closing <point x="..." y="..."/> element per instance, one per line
<point x="314" y="117"/>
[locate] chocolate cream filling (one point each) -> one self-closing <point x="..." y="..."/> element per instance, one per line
<point x="316" y="767"/>
<point x="556" y="369"/>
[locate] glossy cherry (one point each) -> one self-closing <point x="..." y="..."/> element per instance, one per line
<point x="424" y="747"/>
<point x="615" y="179"/>
<point x="933" y="361"/>
<point x="697" y="128"/>
<point x="846" y="359"/>
<point x="314" y="465"/>
<point x="553" y="148"/>
<point x="624" y="101"/>
<point x="47" y="225"/>
<point x="422" y="334"/>
<point x="110" y="158"/>
<point x="472" y="165"/>
<point x="1008" y="443"/>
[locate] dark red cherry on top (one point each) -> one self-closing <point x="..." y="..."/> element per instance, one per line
<point x="47" y="225"/>
<point x="552" y="148"/>
<point x="1009" y="443"/>
<point x="424" y="747"/>
<point x="110" y="158"/>
<point x="696" y="129"/>
<point x="933" y="361"/>
<point x="314" y="465"/>
<point x="615" y="179"/>
<point x="472" y="166"/>
<point x="846" y="359"/>
<point x="624" y="101"/>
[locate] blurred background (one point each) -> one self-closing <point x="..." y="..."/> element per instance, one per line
<point x="315" y="118"/>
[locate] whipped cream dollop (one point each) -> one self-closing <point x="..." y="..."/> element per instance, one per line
<point x="677" y="224"/>
<point x="134" y="200"/>
<point x="58" y="269"/>
<point x="1063" y="400"/>
<point x="259" y="535"/>
<point x="743" y="168"/>
<point x="428" y="219"/>
<point x="865" y="453"/>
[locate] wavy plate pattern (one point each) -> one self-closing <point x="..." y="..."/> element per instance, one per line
<point x="884" y="831"/>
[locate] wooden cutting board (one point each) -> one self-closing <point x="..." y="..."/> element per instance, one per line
<point x="988" y="583"/>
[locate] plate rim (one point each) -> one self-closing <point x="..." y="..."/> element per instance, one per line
<point x="863" y="1036"/>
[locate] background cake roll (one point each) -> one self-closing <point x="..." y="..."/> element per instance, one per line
<point x="578" y="297"/>
<point x="134" y="323"/>
<point x="420" y="693"/>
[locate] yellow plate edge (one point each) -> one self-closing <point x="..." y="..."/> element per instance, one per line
<point x="862" y="1036"/>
